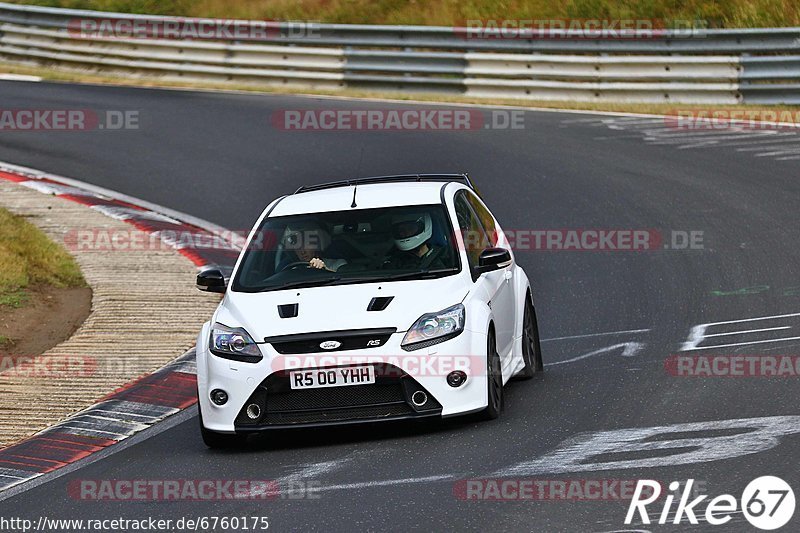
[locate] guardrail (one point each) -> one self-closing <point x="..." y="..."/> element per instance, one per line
<point x="701" y="66"/>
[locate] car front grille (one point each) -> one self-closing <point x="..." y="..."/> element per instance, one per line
<point x="388" y="397"/>
<point x="310" y="343"/>
<point x="375" y="412"/>
<point x="335" y="397"/>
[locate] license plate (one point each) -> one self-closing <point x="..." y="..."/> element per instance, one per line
<point x="331" y="377"/>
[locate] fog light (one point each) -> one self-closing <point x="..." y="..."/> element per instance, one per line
<point x="219" y="396"/>
<point x="456" y="378"/>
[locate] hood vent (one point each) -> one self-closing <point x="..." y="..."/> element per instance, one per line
<point x="379" y="303"/>
<point x="288" y="310"/>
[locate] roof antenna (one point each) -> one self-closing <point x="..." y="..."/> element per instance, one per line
<point x="355" y="185"/>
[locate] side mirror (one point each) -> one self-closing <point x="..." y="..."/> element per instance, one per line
<point x="492" y="259"/>
<point x="211" y="280"/>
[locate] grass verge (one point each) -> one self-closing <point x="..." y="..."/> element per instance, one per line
<point x="718" y="13"/>
<point x="28" y="258"/>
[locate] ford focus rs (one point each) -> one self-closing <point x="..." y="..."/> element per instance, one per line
<point x="373" y="299"/>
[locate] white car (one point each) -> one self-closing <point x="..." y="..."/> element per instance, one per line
<point x="373" y="299"/>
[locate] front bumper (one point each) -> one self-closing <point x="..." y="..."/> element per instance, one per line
<point x="399" y="375"/>
<point x="389" y="398"/>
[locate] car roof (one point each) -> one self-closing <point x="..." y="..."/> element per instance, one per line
<point x="369" y="196"/>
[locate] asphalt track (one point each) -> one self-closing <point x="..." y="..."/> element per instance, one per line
<point x="216" y="156"/>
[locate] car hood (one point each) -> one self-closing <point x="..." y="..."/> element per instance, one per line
<point x="339" y="307"/>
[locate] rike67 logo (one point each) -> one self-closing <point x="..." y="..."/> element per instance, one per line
<point x="767" y="503"/>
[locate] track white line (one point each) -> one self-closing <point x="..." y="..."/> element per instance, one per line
<point x="792" y="150"/>
<point x="19" y="77"/>
<point x="629" y="349"/>
<point x="773" y="139"/>
<point x="762" y="147"/>
<point x="718" y="137"/>
<point x="739" y="344"/>
<point x="703" y="135"/>
<point x="386" y="483"/>
<point x="751" y="319"/>
<point x="747" y="331"/>
<point x="588" y="335"/>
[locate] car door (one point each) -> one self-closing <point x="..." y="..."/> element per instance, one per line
<point x="498" y="283"/>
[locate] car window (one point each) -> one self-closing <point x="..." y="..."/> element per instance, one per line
<point x="485" y="217"/>
<point x="475" y="238"/>
<point x="353" y="246"/>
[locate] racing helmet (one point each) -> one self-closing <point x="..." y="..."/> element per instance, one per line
<point x="411" y="230"/>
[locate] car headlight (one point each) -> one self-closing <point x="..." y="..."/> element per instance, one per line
<point x="434" y="328"/>
<point x="234" y="343"/>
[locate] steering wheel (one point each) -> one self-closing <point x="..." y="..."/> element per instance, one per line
<point x="296" y="264"/>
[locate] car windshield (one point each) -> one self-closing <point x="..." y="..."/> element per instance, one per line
<point x="355" y="246"/>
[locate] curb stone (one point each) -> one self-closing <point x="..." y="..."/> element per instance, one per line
<point x="125" y="316"/>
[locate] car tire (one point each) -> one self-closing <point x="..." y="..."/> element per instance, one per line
<point x="216" y="440"/>
<point x="494" y="380"/>
<point x="531" y="347"/>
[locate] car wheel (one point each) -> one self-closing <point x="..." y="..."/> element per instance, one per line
<point x="494" y="380"/>
<point x="214" y="439"/>
<point x="531" y="348"/>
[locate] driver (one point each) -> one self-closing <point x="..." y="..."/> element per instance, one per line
<point x="305" y="243"/>
<point x="412" y="234"/>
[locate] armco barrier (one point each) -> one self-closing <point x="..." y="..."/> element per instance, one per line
<point x="701" y="66"/>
